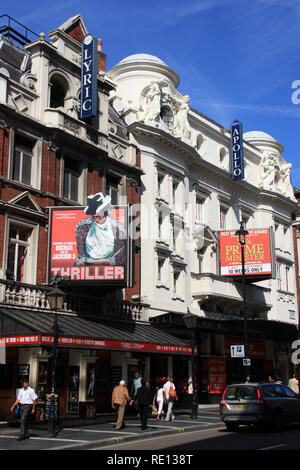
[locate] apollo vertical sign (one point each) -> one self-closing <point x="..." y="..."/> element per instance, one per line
<point x="89" y="96"/>
<point x="237" y="157"/>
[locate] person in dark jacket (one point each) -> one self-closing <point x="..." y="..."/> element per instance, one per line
<point x="144" y="400"/>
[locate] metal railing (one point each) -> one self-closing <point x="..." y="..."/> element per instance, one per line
<point x="15" y="31"/>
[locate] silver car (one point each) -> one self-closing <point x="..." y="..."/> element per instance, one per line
<point x="272" y="404"/>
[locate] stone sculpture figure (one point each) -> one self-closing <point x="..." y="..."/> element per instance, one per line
<point x="152" y="108"/>
<point x="269" y="172"/>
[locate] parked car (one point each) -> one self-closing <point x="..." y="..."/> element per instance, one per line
<point x="254" y="403"/>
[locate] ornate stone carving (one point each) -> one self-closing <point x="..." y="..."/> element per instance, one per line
<point x="29" y="80"/>
<point x="161" y="105"/>
<point x="274" y="175"/>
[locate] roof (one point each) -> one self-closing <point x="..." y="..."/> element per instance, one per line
<point x="35" y="322"/>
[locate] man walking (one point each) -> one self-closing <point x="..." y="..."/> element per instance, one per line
<point x="26" y="399"/>
<point x="119" y="399"/>
<point x="144" y="400"/>
<point x="171" y="396"/>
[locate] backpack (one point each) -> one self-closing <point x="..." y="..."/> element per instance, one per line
<point x="172" y="392"/>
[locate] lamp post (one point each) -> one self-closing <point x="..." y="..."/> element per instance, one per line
<point x="242" y="240"/>
<point x="56" y="299"/>
<point x="190" y="321"/>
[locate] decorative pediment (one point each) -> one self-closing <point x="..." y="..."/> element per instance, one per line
<point x="25" y="201"/>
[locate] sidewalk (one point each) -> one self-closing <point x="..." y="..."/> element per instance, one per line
<point x="75" y="433"/>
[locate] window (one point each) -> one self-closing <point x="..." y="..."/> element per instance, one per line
<point x="287" y="278"/>
<point x="167" y="116"/>
<point x="22" y="160"/>
<point x="58" y="91"/>
<point x="176" y="275"/>
<point x="112" y="189"/>
<point x="160" y="180"/>
<point x="279" y="275"/>
<point x="223" y="214"/>
<point x="71" y="179"/>
<point x="160" y="221"/>
<point x="18" y="252"/>
<point x="160" y="266"/>
<point x="174" y="191"/>
<point x="201" y="255"/>
<point x="199" y="209"/>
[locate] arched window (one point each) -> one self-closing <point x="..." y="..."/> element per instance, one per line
<point x="167" y="116"/>
<point x="58" y="91"/>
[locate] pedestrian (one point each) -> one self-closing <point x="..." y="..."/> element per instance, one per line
<point x="160" y="398"/>
<point x="144" y="400"/>
<point x="171" y="396"/>
<point x="294" y="384"/>
<point x="270" y="379"/>
<point x="26" y="401"/>
<point x="119" y="399"/>
<point x="136" y="384"/>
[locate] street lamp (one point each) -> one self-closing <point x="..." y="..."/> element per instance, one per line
<point x="56" y="299"/>
<point x="190" y="321"/>
<point x="242" y="240"/>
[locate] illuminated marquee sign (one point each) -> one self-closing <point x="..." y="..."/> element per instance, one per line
<point x="237" y="157"/>
<point x="89" y="96"/>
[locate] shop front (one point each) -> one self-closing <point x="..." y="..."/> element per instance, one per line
<point x="92" y="358"/>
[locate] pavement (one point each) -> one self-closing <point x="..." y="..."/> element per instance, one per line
<point x="77" y="434"/>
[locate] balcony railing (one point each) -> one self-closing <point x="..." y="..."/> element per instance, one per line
<point x="35" y="297"/>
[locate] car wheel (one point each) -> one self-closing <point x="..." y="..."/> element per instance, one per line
<point x="232" y="426"/>
<point x="277" y="421"/>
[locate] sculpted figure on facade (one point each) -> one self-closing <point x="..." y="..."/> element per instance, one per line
<point x="182" y="127"/>
<point x="153" y="104"/>
<point x="269" y="172"/>
<point x="275" y="175"/>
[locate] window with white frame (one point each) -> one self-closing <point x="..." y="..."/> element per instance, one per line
<point x="223" y="217"/>
<point x="22" y="159"/>
<point x="279" y="275"/>
<point x="201" y="259"/>
<point x="71" y="179"/>
<point x="160" y="184"/>
<point x="160" y="223"/>
<point x="199" y="208"/>
<point x="21" y="256"/>
<point x="176" y="281"/>
<point x="286" y="245"/>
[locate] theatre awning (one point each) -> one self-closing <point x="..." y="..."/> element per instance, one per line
<point x="20" y="327"/>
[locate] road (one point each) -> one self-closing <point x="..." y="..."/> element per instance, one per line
<point x="183" y="436"/>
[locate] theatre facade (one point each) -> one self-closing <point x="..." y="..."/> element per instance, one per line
<point x="58" y="167"/>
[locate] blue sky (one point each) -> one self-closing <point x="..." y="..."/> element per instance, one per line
<point x="237" y="59"/>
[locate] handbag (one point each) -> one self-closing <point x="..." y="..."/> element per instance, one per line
<point x="17" y="413"/>
<point x="154" y="410"/>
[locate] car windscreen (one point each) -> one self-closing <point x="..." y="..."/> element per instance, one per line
<point x="241" y="392"/>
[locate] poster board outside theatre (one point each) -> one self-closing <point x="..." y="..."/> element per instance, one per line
<point x="259" y="257"/>
<point x="69" y="228"/>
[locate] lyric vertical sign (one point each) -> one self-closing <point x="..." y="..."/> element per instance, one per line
<point x="237" y="156"/>
<point x="89" y="98"/>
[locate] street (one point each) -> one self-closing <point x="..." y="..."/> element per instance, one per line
<point x="182" y="436"/>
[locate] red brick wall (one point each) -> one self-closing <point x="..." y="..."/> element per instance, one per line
<point x="4" y="151"/>
<point x="76" y="33"/>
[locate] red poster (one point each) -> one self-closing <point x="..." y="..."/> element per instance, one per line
<point x="85" y="248"/>
<point x="217" y="374"/>
<point x="258" y="259"/>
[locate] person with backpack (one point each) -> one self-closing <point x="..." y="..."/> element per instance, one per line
<point x="171" y="397"/>
<point x="144" y="400"/>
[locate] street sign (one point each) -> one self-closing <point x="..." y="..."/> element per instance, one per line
<point x="246" y="362"/>
<point x="237" y="350"/>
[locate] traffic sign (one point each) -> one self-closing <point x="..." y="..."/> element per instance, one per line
<point x="237" y="350"/>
